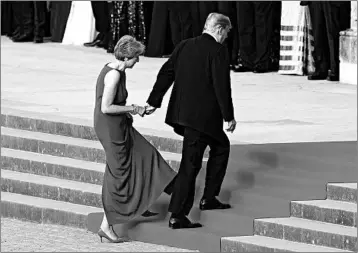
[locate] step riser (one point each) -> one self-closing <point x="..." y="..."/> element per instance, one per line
<point x="233" y="246"/>
<point x="95" y="177"/>
<point x="333" y="216"/>
<point x="62" y="150"/>
<point x="230" y="221"/>
<point x="248" y="200"/>
<point x="80" y="131"/>
<point x="52" y="170"/>
<point x="237" y="221"/>
<point x="42" y="215"/>
<point x="304" y="235"/>
<point x="51" y="192"/>
<point x="342" y="194"/>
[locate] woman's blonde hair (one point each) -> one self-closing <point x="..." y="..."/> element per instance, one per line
<point x="128" y="47"/>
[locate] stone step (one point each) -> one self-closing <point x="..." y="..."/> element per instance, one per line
<point x="308" y="231"/>
<point x="91" y="172"/>
<point x="90" y="195"/>
<point x="331" y="211"/>
<point x="52" y="166"/>
<point x="78" y="128"/>
<point x="51" y="188"/>
<point x="42" y="210"/>
<point x="87" y="150"/>
<point x="249" y="201"/>
<point x="258" y="243"/>
<point x="342" y="192"/>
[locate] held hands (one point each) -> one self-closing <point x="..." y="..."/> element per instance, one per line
<point x="149" y="109"/>
<point x="231" y="125"/>
<point x="142" y="110"/>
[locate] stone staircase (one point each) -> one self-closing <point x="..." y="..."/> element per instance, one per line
<point x="314" y="226"/>
<point x="52" y="169"/>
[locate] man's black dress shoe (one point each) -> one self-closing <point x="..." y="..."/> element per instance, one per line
<point x="39" y="40"/>
<point x="23" y="38"/>
<point x="95" y="42"/>
<point x="206" y="204"/>
<point x="332" y="76"/>
<point x="92" y="44"/>
<point x="184" y="222"/>
<point x="240" y="68"/>
<point x="149" y="214"/>
<point x="260" y="70"/>
<point x="317" y="76"/>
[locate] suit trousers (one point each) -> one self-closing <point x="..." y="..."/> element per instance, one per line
<point x="255" y="24"/>
<point x="194" y="145"/>
<point x="31" y="17"/>
<point x="326" y="25"/>
<point x="101" y="14"/>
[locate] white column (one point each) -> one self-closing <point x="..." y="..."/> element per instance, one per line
<point x="354" y="15"/>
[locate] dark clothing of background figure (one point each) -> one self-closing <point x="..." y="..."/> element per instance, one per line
<point x="8" y="24"/>
<point x="328" y="19"/>
<point x="101" y="14"/>
<point x="228" y="8"/>
<point x="127" y="18"/>
<point x="172" y="18"/>
<point x="200" y="11"/>
<point x="148" y="10"/>
<point x="200" y="102"/>
<point x="60" y="10"/>
<point x="31" y="18"/>
<point x="255" y="22"/>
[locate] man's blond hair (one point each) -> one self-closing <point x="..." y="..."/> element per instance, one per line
<point x="215" y="21"/>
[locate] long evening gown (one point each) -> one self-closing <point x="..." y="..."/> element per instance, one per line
<point x="296" y="40"/>
<point x="135" y="174"/>
<point x="127" y="18"/>
<point x="80" y="27"/>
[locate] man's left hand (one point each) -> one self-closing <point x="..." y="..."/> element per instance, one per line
<point x="149" y="109"/>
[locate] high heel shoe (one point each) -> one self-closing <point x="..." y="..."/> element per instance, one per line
<point x="103" y="234"/>
<point x="149" y="214"/>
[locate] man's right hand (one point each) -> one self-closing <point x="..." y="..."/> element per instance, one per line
<point x="231" y="125"/>
<point x="149" y="109"/>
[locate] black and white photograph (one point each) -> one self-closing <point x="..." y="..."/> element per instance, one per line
<point x="179" y="126"/>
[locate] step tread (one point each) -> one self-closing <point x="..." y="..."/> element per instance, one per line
<point x="44" y="158"/>
<point x="344" y="185"/>
<point x="271" y="242"/>
<point x="69" y="140"/>
<point x="313" y="225"/>
<point x="54" y="182"/>
<point x="330" y="204"/>
<point x="48" y="203"/>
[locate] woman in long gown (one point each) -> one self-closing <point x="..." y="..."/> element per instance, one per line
<point x="80" y="27"/>
<point x="296" y="45"/>
<point x="135" y="174"/>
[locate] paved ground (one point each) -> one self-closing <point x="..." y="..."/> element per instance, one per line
<point x="25" y="236"/>
<point x="269" y="108"/>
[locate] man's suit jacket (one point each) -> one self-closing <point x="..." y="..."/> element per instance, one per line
<point x="201" y="95"/>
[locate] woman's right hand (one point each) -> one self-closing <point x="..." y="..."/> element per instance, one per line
<point x="138" y="110"/>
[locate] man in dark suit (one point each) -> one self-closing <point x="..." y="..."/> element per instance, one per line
<point x="200" y="103"/>
<point x="255" y="28"/>
<point x="328" y="19"/>
<point x="30" y="17"/>
<point x="101" y="14"/>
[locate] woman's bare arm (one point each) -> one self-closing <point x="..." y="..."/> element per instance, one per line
<point x="109" y="92"/>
